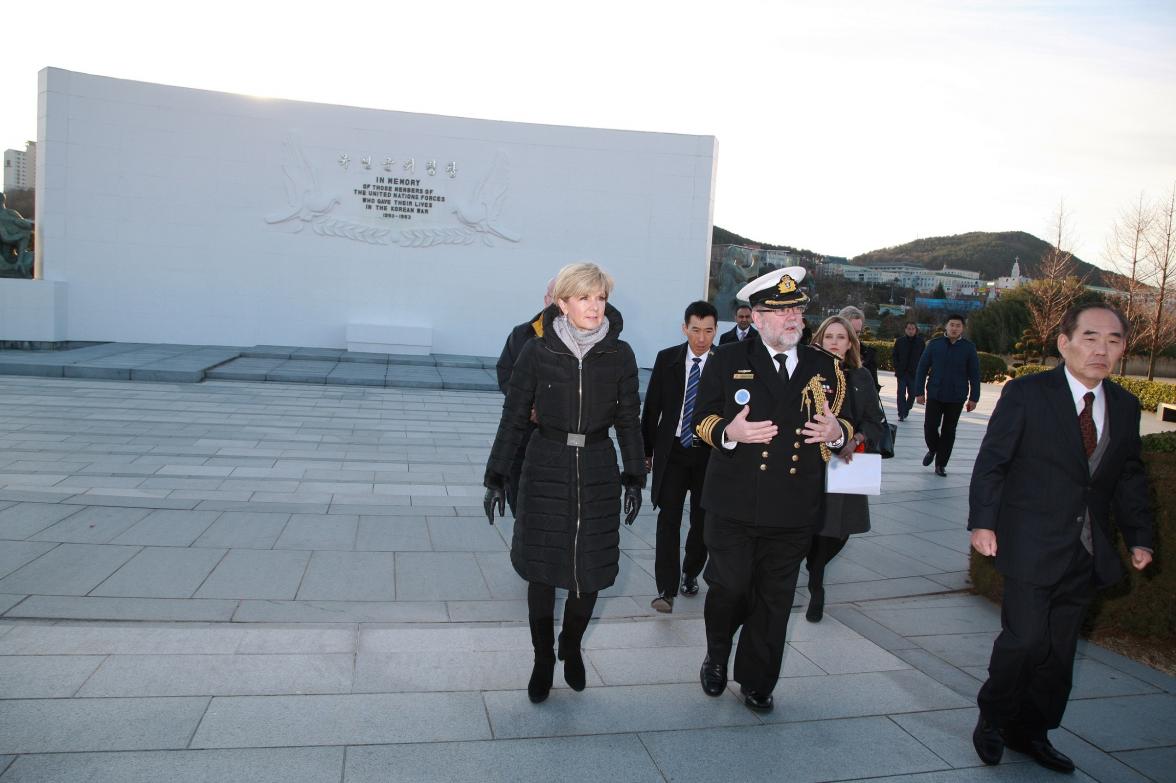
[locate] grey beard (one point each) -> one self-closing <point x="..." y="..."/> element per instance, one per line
<point x="786" y="343"/>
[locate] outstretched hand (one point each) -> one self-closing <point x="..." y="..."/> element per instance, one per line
<point x="740" y="430"/>
<point x="495" y="496"/>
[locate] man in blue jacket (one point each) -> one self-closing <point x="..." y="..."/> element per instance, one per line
<point x="954" y="368"/>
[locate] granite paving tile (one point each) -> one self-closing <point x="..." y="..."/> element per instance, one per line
<point x="14" y="554"/>
<point x="95" y="608"/>
<point x="1124" y="722"/>
<point x="301" y="638"/>
<point x="22" y="520"/>
<point x="619" y="709"/>
<point x="161" y="572"/>
<point x="243" y="530"/>
<point x="70" y="725"/>
<point x="220" y="675"/>
<point x="810" y="752"/>
<point x="436" y="576"/>
<point x="849" y="656"/>
<point x="619" y="758"/>
<point x="1159" y="764"/>
<point x="85" y="638"/>
<point x="356" y="719"/>
<point x="934" y="621"/>
<point x="44" y="676"/>
<point x="857" y="695"/>
<point x="349" y="576"/>
<point x="387" y="533"/>
<point x="342" y="612"/>
<point x="450" y="670"/>
<point x="167" y="528"/>
<point x="461" y="534"/>
<point x="268" y="765"/>
<point x="319" y="531"/>
<point x="68" y="569"/>
<point x="256" y="573"/>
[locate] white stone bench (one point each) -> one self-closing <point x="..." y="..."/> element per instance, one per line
<point x="1166" y="411"/>
<point x="390" y="338"/>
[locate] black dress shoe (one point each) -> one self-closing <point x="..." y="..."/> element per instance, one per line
<point x="760" y="702"/>
<point x="689" y="585"/>
<point x="1041" y="751"/>
<point x="713" y="677"/>
<point x="940" y="471"/>
<point x="664" y="603"/>
<point x="928" y="457"/>
<point x="988" y="742"/>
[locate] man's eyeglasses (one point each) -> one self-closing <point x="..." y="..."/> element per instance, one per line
<point x="785" y="312"/>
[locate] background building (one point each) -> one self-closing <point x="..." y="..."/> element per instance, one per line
<point x="20" y="167"/>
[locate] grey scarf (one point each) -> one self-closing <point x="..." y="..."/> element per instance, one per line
<point x="579" y="342"/>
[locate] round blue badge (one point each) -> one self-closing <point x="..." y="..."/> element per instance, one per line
<point x="742" y="397"/>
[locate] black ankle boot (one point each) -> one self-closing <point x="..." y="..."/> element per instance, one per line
<point x="570" y="654"/>
<point x="542" y="633"/>
<point x="816" y="607"/>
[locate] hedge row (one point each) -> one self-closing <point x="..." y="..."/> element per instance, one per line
<point x="1142" y="603"/>
<point x="885" y="349"/>
<point x="1150" y="393"/>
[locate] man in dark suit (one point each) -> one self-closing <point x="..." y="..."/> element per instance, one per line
<point x="907" y="350"/>
<point x="676" y="455"/>
<point x="1061" y="451"/>
<point x="742" y="328"/>
<point x="518" y="337"/>
<point x="947" y="381"/>
<point x="768" y="408"/>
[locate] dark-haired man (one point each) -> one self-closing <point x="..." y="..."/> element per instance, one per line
<point x="908" y="349"/>
<point x="1061" y="451"/>
<point x="954" y="384"/>
<point x="742" y="328"/>
<point x="676" y="455"/>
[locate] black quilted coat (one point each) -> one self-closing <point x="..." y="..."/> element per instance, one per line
<point x="567" y="529"/>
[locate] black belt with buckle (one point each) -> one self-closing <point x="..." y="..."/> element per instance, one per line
<point x="578" y="439"/>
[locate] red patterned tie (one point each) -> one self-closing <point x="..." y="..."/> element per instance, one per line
<point x="1086" y="424"/>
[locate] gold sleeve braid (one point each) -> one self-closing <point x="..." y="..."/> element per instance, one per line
<point x="706" y="428"/>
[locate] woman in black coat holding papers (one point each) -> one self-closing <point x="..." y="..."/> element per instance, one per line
<point x="844" y="514"/>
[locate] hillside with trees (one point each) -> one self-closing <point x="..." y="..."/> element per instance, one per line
<point x="989" y="253"/>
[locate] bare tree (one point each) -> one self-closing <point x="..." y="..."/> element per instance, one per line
<point x="1126" y="251"/>
<point x="1161" y="258"/>
<point x="1055" y="285"/>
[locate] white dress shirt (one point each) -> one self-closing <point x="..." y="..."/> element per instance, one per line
<point x="690" y="357"/>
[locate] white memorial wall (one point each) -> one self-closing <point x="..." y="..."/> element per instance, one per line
<point x="173" y="215"/>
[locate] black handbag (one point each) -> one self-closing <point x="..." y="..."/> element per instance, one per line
<point x="886" y="443"/>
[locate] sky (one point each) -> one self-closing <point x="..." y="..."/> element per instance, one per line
<point x="843" y="126"/>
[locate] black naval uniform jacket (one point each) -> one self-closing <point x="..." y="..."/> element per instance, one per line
<point x="776" y="484"/>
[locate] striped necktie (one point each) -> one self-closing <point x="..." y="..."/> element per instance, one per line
<point x="687" y="436"/>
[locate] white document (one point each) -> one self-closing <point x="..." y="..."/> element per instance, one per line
<point x="863" y="476"/>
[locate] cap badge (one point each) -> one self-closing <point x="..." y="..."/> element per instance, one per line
<point x="787" y="285"/>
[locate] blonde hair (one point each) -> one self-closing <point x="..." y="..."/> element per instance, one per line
<point x="580" y="279"/>
<point x="853" y="356"/>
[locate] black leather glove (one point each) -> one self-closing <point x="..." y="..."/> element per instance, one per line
<point x="632" y="503"/>
<point x="495" y="496"/>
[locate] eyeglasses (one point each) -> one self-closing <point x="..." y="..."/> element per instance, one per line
<point x="786" y="312"/>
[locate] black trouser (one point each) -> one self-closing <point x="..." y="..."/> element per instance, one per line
<point x="1032" y="664"/>
<point x="685" y="471"/>
<point x="906" y="394"/>
<point x="822" y="549"/>
<point x="939" y="428"/>
<point x="541" y="614"/>
<point x="516" y="471"/>
<point x="751" y="577"/>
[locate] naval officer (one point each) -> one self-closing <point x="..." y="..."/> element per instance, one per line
<point x="768" y="407"/>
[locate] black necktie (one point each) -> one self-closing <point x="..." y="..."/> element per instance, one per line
<point x="1086" y="424"/>
<point x="782" y="358"/>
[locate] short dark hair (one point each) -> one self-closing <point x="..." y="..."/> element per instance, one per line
<point x="742" y="307"/>
<point x="955" y="317"/>
<point x="700" y="310"/>
<point x="1070" y="319"/>
<point x="910" y="323"/>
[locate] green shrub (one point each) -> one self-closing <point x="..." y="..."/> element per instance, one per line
<point x="992" y="367"/>
<point x="1142" y="603"/>
<point x="1028" y="369"/>
<point x="885" y="349"/>
<point x="1150" y="393"/>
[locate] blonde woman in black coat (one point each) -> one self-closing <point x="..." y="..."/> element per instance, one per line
<point x="844" y="514"/>
<point x="581" y="380"/>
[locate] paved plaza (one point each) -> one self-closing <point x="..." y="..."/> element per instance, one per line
<point x="267" y="581"/>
